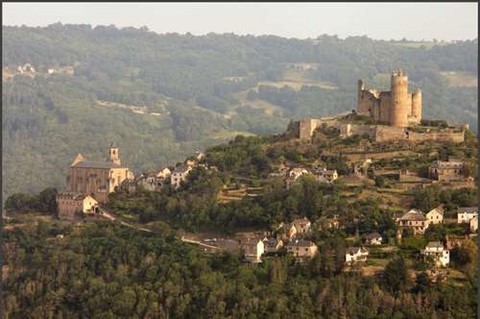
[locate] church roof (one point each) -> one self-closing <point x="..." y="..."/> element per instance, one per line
<point x="92" y="164"/>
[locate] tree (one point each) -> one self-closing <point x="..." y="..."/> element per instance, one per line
<point x="395" y="276"/>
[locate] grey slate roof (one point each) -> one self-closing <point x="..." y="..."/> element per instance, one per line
<point x="413" y="214"/>
<point x="467" y="209"/>
<point x="93" y="164"/>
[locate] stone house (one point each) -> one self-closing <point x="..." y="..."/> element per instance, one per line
<point x="373" y="239"/>
<point x="253" y="249"/>
<point x="325" y="175"/>
<point x="440" y="254"/>
<point x="302" y="225"/>
<point x="302" y="248"/>
<point x="465" y="214"/>
<point x="72" y="205"/>
<point x="179" y="175"/>
<point x="435" y="216"/>
<point x="446" y="171"/>
<point x="356" y="254"/>
<point x="415" y="220"/>
<point x="272" y="245"/>
<point x="290" y="230"/>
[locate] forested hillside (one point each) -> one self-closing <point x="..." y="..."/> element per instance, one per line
<point x="190" y="92"/>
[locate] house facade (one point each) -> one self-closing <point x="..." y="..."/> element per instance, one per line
<point x="414" y="219"/>
<point x="440" y="254"/>
<point x="356" y="254"/>
<point x="474" y="224"/>
<point x="373" y="239"/>
<point x="435" y="216"/>
<point x="465" y="214"/>
<point x="253" y="250"/>
<point x="302" y="248"/>
<point x="72" y="205"/>
<point x="302" y="225"/>
<point x="179" y="175"/>
<point x="447" y="171"/>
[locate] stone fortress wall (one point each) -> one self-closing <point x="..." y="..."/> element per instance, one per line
<point x="395" y="113"/>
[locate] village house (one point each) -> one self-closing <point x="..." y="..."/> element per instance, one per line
<point x="272" y="245"/>
<point x="466" y="214"/>
<point x="435" y="216"/>
<point x="253" y="249"/>
<point x="474" y="224"/>
<point x="435" y="249"/>
<point x="164" y="173"/>
<point x="373" y="239"/>
<point x="302" y="225"/>
<point x="302" y="248"/>
<point x="325" y="175"/>
<point x="179" y="175"/>
<point x="415" y="220"/>
<point x="447" y="171"/>
<point x="72" y="205"/>
<point x="290" y="230"/>
<point x="452" y="241"/>
<point x="356" y="254"/>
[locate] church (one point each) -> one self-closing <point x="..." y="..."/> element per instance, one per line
<point x="91" y="179"/>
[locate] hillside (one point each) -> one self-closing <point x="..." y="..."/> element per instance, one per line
<point x="161" y="97"/>
<point x="181" y="253"/>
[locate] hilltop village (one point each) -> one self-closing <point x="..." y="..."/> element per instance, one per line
<point x="383" y="151"/>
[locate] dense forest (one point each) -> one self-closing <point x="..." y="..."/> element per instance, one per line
<point x="101" y="270"/>
<point x="194" y="91"/>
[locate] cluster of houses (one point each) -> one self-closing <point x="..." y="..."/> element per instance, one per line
<point x="293" y="238"/>
<point x="418" y="222"/>
<point x="155" y="180"/>
<point x="29" y="70"/>
<point x="290" y="238"/>
<point x="291" y="174"/>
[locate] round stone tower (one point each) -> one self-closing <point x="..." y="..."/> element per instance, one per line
<point x="399" y="107"/>
<point x="417" y="105"/>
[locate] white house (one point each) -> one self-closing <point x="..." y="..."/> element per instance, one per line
<point x="373" y="239"/>
<point x="474" y="224"/>
<point x="440" y="255"/>
<point x="302" y="225"/>
<point x="465" y="214"/>
<point x="435" y="216"/>
<point x="356" y="254"/>
<point x="296" y="172"/>
<point x="253" y="250"/>
<point x="89" y="205"/>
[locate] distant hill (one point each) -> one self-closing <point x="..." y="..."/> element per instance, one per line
<point x="161" y="97"/>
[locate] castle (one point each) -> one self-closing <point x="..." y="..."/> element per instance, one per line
<point x="91" y="179"/>
<point x="396" y="115"/>
<point x="396" y="107"/>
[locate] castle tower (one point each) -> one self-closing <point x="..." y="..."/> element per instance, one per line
<point x="113" y="154"/>
<point x="417" y="105"/>
<point x="361" y="87"/>
<point x="399" y="108"/>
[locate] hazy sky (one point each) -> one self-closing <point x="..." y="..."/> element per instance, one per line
<point x="414" y="21"/>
